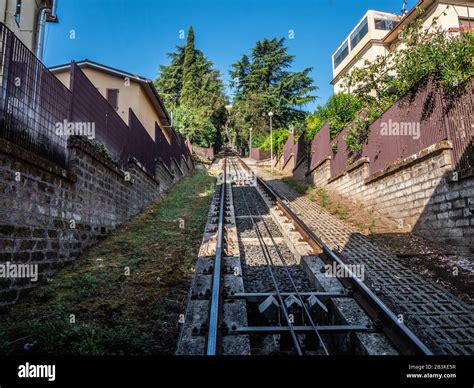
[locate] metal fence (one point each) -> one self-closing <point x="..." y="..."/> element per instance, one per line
<point x="426" y="115"/>
<point x="459" y="121"/>
<point x="207" y="153"/>
<point x="258" y="154"/>
<point x="32" y="101"/>
<point x="295" y="149"/>
<point x="38" y="113"/>
<point x="320" y="146"/>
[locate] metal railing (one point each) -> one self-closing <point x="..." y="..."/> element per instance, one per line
<point x="36" y="109"/>
<point x="32" y="101"/>
<point x="436" y="115"/>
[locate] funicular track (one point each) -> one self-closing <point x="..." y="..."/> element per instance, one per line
<point x="281" y="304"/>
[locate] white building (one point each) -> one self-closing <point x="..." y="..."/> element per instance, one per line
<point x="27" y="18"/>
<point x="377" y="33"/>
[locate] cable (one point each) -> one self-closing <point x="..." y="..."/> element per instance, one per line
<point x="268" y="260"/>
<point x="294" y="285"/>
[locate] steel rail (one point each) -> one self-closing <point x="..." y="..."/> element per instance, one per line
<point x="215" y="305"/>
<point x="269" y="262"/>
<point x="303" y="303"/>
<point x="406" y="342"/>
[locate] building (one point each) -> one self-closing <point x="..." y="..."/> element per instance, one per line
<point x="377" y="33"/>
<point x="27" y="19"/>
<point x="123" y="90"/>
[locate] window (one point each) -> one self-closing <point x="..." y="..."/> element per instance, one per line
<point x="112" y="97"/>
<point x="341" y="54"/>
<point x="466" y="23"/>
<point x="385" y="24"/>
<point x="359" y="33"/>
<point x="18" y="11"/>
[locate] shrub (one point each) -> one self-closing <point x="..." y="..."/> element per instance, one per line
<point x="280" y="136"/>
<point x="339" y="110"/>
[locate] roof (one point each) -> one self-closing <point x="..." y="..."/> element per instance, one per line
<point x="411" y="15"/>
<point x="145" y="82"/>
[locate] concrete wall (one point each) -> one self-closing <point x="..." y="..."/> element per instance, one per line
<point x="40" y="203"/>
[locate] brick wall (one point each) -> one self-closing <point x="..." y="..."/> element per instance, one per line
<point x="417" y="192"/>
<point x="449" y="213"/>
<point x="299" y="172"/>
<point x="320" y="174"/>
<point x="50" y="214"/>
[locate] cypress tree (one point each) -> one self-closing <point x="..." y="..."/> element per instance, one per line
<point x="188" y="92"/>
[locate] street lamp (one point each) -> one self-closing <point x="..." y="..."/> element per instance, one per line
<point x="271" y="140"/>
<point x="250" y="142"/>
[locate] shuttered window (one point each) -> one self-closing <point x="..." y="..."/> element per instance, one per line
<point x="112" y="97"/>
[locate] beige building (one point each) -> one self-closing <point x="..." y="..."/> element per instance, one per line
<point x="377" y="33"/>
<point x="123" y="90"/>
<point x="27" y="19"/>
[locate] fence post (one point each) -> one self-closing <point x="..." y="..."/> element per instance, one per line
<point x="71" y="88"/>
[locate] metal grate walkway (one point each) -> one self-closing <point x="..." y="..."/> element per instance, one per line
<point x="439" y="318"/>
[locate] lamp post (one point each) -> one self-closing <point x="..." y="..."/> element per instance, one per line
<point x="250" y="142"/>
<point x="270" y="114"/>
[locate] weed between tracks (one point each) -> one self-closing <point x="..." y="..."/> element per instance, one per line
<point x="94" y="307"/>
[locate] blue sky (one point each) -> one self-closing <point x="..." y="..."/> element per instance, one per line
<point x="135" y="35"/>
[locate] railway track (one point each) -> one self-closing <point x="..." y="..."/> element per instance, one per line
<point x="262" y="284"/>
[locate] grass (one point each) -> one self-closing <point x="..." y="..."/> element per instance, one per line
<point x="297" y="186"/>
<point x="345" y="210"/>
<point x="323" y="197"/>
<point x="124" y="295"/>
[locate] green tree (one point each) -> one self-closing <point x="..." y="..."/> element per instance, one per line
<point x="191" y="71"/>
<point x="339" y="110"/>
<point x="262" y="82"/>
<point x="280" y="136"/>
<point x="193" y="89"/>
<point x="170" y="81"/>
<point x="424" y="52"/>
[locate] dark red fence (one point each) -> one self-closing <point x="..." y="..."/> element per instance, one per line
<point x="339" y="158"/>
<point x="295" y="149"/>
<point x="258" y="154"/>
<point x="140" y="144"/>
<point x="460" y="126"/>
<point x="289" y="148"/>
<point x="36" y="109"/>
<point x="423" y="117"/>
<point x="89" y="106"/>
<point x="419" y="116"/>
<point x="121" y="140"/>
<point x="320" y="146"/>
<point x="204" y="152"/>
